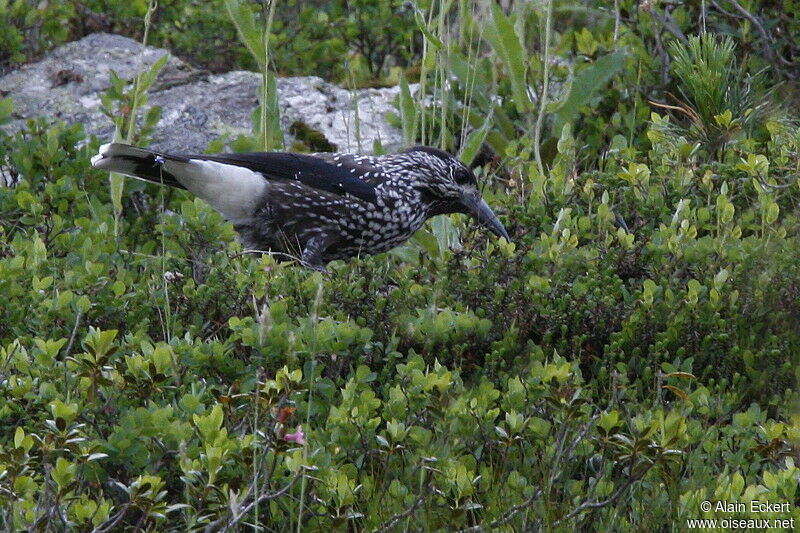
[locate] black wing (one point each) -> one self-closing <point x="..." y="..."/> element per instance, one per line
<point x="306" y="169"/>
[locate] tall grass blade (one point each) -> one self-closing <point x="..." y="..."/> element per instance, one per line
<point x="270" y="125"/>
<point x="474" y="142"/>
<point x="408" y="112"/>
<point x="423" y="27"/>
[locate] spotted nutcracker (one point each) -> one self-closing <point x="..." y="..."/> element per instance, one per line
<point x="321" y="206"/>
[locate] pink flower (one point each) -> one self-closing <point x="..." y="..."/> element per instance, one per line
<point x="299" y="437"/>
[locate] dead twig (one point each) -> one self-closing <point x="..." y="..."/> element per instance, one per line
<point x="608" y="501"/>
<point x="399" y="516"/>
<point x="507" y="516"/>
<point x="226" y="522"/>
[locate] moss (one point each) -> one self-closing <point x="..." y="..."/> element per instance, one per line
<point x="308" y="139"/>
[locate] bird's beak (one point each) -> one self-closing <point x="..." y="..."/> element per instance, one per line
<point x="478" y="208"/>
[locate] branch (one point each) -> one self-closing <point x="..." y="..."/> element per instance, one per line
<point x="598" y="504"/>
<point x="511" y="512"/>
<point x="507" y="516"/>
<point x="399" y="516"/>
<point x="280" y="254"/>
<point x="755" y="22"/>
<point x="217" y="525"/>
<point x="111" y="523"/>
<point x="662" y="53"/>
<point x="666" y="21"/>
<point x="72" y="336"/>
<point x="724" y="11"/>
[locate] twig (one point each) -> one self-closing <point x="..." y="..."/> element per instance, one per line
<point x="668" y="23"/>
<point x="399" y="516"/>
<point x="72" y="335"/>
<point x="281" y="254"/>
<point x="577" y="440"/>
<point x="772" y="186"/>
<point x="597" y="504"/>
<point x="755" y="22"/>
<point x="507" y="516"/>
<point x="151" y="8"/>
<point x="111" y="523"/>
<point x="217" y="525"/>
<point x="662" y="53"/>
<point x="725" y="11"/>
<point x="771" y="51"/>
<point x="266" y="252"/>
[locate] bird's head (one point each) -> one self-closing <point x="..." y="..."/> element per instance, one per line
<point x="449" y="186"/>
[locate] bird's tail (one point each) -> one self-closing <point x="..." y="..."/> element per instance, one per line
<point x="138" y="162"/>
<point x="233" y="190"/>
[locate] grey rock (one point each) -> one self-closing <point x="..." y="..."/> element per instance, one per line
<point x="66" y="85"/>
<point x="196" y="108"/>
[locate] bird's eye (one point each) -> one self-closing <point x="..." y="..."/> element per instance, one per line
<point x="464" y="177"/>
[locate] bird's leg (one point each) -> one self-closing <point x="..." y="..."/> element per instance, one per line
<point x="315" y="247"/>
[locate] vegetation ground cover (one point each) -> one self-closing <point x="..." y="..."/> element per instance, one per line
<point x="632" y="353"/>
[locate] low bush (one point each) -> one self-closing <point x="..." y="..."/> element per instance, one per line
<point x="584" y="375"/>
<point x="630" y="355"/>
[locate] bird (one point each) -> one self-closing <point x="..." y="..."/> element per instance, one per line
<point x="316" y="207"/>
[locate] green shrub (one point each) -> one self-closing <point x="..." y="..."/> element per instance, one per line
<point x="31" y="28"/>
<point x="632" y="353"/>
<point x="161" y="372"/>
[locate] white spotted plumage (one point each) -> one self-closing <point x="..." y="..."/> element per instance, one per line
<point x="368" y="204"/>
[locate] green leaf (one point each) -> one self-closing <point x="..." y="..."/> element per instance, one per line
<point x="724" y="119"/>
<point x="721" y="277"/>
<point x="772" y="212"/>
<point x="210" y="424"/>
<point x="118" y="288"/>
<point x="425" y="238"/>
<point x="474" y="142"/>
<point x="608" y="420"/>
<point x="245" y="22"/>
<point x="39" y="251"/>
<point x="23" y="484"/>
<point x="146" y="78"/>
<point x="474" y="76"/>
<point x="65" y="411"/>
<point x="500" y="33"/>
<point x="63" y="473"/>
<point x="585" y="84"/>
<point x="116" y="186"/>
<point x="423" y="27"/>
<point x="100" y="342"/>
<point x="84" y="304"/>
<point x="447" y="234"/>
